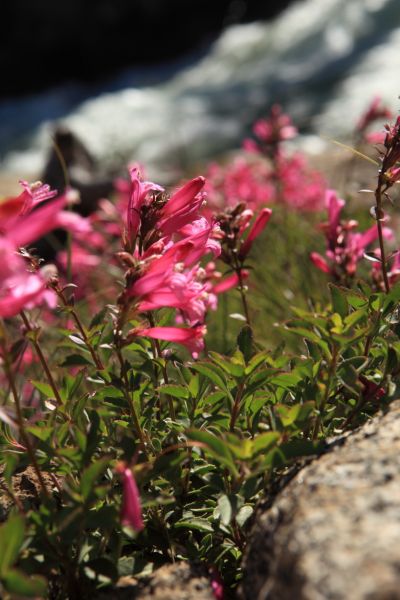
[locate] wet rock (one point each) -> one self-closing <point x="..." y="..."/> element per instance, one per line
<point x="333" y="533"/>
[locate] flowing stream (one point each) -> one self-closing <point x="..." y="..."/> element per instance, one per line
<point x="323" y="60"/>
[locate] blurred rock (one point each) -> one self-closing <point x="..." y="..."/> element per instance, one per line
<point x="333" y="533"/>
<point x="81" y="171"/>
<point x="179" y="581"/>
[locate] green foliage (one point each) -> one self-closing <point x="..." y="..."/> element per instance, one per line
<point x="203" y="437"/>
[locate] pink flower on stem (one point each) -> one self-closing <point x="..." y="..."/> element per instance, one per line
<point x="345" y="247"/>
<point x="277" y="128"/>
<point x="182" y="208"/>
<point x="376" y="110"/>
<point x="131" y="510"/>
<point x="138" y="198"/>
<point x="20" y="291"/>
<point x="17" y="206"/>
<point x="192" y="338"/>
<point x="256" y="229"/>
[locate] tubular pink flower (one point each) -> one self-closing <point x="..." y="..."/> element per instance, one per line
<point x="183" y="207"/>
<point x="184" y="197"/>
<point x="191" y="338"/>
<point x="131" y="511"/>
<point x="229" y="282"/>
<point x="334" y="206"/>
<point x="257" y="228"/>
<point x="360" y="241"/>
<point x="320" y="262"/>
<point x="34" y="194"/>
<point x="376" y="110"/>
<point x="138" y="196"/>
<point x="20" y="291"/>
<point x="31" y="227"/>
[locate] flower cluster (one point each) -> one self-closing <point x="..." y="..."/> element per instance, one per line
<point x="164" y="240"/>
<point x="268" y="173"/>
<point x="23" y="282"/>
<point x="271" y="132"/>
<point x="345" y="246"/>
<point x="374" y="112"/>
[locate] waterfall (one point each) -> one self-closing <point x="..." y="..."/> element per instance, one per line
<point x="323" y="61"/>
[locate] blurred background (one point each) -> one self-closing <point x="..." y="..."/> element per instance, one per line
<point x="171" y="82"/>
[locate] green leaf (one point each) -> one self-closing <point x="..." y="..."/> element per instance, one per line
<point x="339" y="302"/>
<point x="215" y="446"/>
<point x="195" y="523"/>
<point x="286" y="380"/>
<point x="90" y="476"/>
<point x="42" y="433"/>
<point x="244" y="513"/>
<point x="209" y="373"/>
<point x="297" y="448"/>
<point x="255" y="362"/>
<point x="265" y="441"/>
<point x="291" y="414"/>
<point x="16" y="582"/>
<point x="245" y="342"/>
<point x="225" y="509"/>
<point x="312" y="337"/>
<point x="77" y="340"/>
<point x="75" y="360"/>
<point x="232" y="368"/>
<point x="102" y="566"/>
<point x="44" y="388"/>
<point x="98" y="318"/>
<point x="391" y="299"/>
<point x="11" y="539"/>
<point x="177" y="391"/>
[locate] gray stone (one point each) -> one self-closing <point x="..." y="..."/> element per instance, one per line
<point x="178" y="581"/>
<point x="333" y="532"/>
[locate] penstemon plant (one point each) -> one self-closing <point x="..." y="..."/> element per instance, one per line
<point x="141" y="445"/>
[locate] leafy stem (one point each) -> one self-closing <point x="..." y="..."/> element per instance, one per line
<point x="379" y="215"/>
<point x="34" y="339"/>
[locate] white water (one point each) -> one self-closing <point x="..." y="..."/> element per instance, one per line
<point x="323" y="59"/>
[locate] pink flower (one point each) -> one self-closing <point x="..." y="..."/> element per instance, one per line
<point x="182" y="207"/>
<point x="276" y="128"/>
<point x="257" y="228"/>
<point x="131" y="510"/>
<point x="191" y="338"/>
<point x="239" y="181"/>
<point x="138" y="197"/>
<point x="32" y="195"/>
<point x="376" y="110"/>
<point x="217" y="585"/>
<point x="229" y="282"/>
<point x="345" y="248"/>
<point x="20" y="291"/>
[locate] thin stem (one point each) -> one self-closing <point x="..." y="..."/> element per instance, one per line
<point x="96" y="359"/>
<point x="164" y="370"/>
<point x="236" y="406"/>
<point x="20" y="422"/>
<point x="242" y="290"/>
<point x="128" y="397"/>
<point x="331" y="372"/>
<point x="42" y="358"/>
<point x="379" y="212"/>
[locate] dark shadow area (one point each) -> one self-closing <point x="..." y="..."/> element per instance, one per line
<point x="45" y="43"/>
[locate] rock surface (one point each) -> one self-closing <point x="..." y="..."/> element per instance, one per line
<point x="333" y="533"/>
<point x="179" y="581"/>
